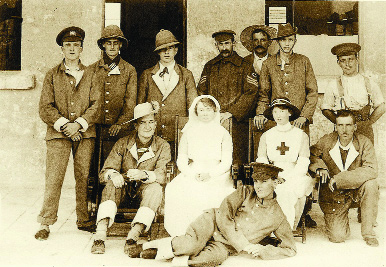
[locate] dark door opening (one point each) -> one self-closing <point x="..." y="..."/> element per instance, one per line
<point x="141" y="20"/>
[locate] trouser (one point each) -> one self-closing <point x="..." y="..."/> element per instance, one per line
<point x="199" y="245"/>
<point x="151" y="197"/>
<point x="58" y="152"/>
<point x="337" y="221"/>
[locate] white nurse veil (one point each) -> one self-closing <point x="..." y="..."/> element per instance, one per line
<point x="193" y="119"/>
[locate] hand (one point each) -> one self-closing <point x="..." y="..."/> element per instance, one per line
<point x="117" y="179"/>
<point x="253" y="249"/>
<point x="260" y="120"/>
<point x="114" y="130"/>
<point x="136" y="175"/>
<point x="331" y="184"/>
<point x="71" y="128"/>
<point x="202" y="177"/>
<point x="323" y="174"/>
<point x="299" y="122"/>
<point x="225" y="116"/>
<point x="76" y="137"/>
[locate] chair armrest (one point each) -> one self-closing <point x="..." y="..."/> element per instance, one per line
<point x="171" y="171"/>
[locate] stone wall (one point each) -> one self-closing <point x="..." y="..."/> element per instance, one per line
<point x="22" y="146"/>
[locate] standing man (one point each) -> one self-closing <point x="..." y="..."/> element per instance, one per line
<point x="116" y="79"/>
<point x="70" y="106"/>
<point x="353" y="91"/>
<point x="136" y="163"/>
<point x="347" y="165"/>
<point x="168" y="83"/>
<point x="257" y="39"/>
<point x="232" y="81"/>
<point x="287" y="75"/>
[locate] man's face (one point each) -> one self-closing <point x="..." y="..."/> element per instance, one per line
<point x="264" y="188"/>
<point x="167" y="54"/>
<point x="345" y="128"/>
<point x="260" y="43"/>
<point x="287" y="43"/>
<point x="112" y="47"/>
<point x="146" y="126"/>
<point x="281" y="115"/>
<point x="349" y="65"/>
<point x="72" y="50"/>
<point x="225" y="48"/>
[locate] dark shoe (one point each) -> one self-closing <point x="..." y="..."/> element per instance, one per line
<point x="310" y="223"/>
<point x="42" y="234"/>
<point x="371" y="241"/>
<point x="98" y="247"/>
<point x="132" y="248"/>
<point x="149" y="253"/>
<point x="90" y="228"/>
<point x="268" y="240"/>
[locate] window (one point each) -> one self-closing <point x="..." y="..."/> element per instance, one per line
<point x="10" y="35"/>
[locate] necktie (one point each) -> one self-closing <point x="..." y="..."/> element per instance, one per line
<point x="343" y="154"/>
<point x="162" y="73"/>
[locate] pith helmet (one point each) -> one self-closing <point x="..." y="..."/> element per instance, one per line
<point x="112" y="31"/>
<point x="163" y="39"/>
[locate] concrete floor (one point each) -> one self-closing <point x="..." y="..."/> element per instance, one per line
<point x="67" y="246"/>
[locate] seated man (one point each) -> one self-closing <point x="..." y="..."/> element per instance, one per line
<point x="244" y="218"/>
<point x="347" y="165"/>
<point x="137" y="161"/>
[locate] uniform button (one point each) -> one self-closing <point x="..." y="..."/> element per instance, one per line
<point x="333" y="209"/>
<point x="247" y="219"/>
<point x="107" y="82"/>
<point x="338" y="202"/>
<point x="163" y="126"/>
<point x="72" y="114"/>
<point x="72" y="103"/>
<point x="238" y="224"/>
<point x="286" y="93"/>
<point x="215" y="233"/>
<point x="72" y="82"/>
<point x="286" y="83"/>
<point x="107" y="93"/>
<point x="163" y="105"/>
<point x="257" y="205"/>
<point x="285" y="74"/>
<point x="107" y="101"/>
<point x="107" y="110"/>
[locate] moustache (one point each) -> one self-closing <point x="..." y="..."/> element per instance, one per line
<point x="225" y="51"/>
<point x="259" y="46"/>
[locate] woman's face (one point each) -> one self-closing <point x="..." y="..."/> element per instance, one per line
<point x="204" y="113"/>
<point x="281" y="116"/>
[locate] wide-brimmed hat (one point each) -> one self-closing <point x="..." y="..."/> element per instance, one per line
<point x="163" y="39"/>
<point x="282" y="102"/>
<point x="223" y="35"/>
<point x="345" y="49"/>
<point x="262" y="171"/>
<point x="246" y="35"/>
<point x="112" y="31"/>
<point x="144" y="109"/>
<point x="285" y="31"/>
<point x="70" y="34"/>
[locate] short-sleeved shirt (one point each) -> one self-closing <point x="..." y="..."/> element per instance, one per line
<point x="356" y="94"/>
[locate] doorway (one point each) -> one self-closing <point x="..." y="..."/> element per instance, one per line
<point x="141" y="20"/>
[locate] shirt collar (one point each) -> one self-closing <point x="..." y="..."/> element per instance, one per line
<point x="260" y="58"/>
<point x="170" y="68"/>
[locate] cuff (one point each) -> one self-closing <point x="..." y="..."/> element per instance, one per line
<point x="59" y="123"/>
<point x="83" y="123"/>
<point x="108" y="173"/>
<point x="144" y="215"/>
<point x="107" y="209"/>
<point x="151" y="177"/>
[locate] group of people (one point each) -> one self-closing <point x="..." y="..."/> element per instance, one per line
<point x="104" y="115"/>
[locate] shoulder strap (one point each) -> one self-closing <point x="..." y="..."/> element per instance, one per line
<point x="368" y="88"/>
<point x="341" y="92"/>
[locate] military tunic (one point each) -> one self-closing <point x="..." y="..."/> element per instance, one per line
<point x="242" y="219"/>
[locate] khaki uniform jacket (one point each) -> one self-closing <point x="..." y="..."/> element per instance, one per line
<point x="60" y="97"/>
<point x="176" y="103"/>
<point x="124" y="156"/>
<point x="361" y="166"/>
<point x="296" y="82"/>
<point x="243" y="218"/>
<point x="233" y="82"/>
<point x="119" y="91"/>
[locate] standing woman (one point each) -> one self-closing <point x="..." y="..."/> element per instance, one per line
<point x="287" y="147"/>
<point x="204" y="159"/>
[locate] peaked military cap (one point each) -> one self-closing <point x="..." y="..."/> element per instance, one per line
<point x="223" y="35"/>
<point x="70" y="34"/>
<point x="262" y="171"/>
<point x="345" y="49"/>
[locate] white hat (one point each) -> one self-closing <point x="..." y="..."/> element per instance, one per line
<point x="144" y="109"/>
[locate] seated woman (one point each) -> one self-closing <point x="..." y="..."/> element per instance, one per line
<point x="287" y="147"/>
<point x="204" y="160"/>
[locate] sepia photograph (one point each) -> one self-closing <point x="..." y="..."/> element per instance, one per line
<point x="193" y="133"/>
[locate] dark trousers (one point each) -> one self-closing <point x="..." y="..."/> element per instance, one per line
<point x="58" y="152"/>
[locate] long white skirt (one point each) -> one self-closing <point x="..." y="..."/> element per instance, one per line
<point x="186" y="199"/>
